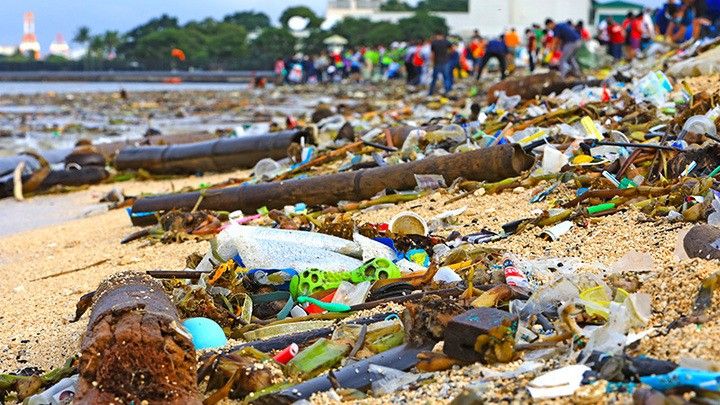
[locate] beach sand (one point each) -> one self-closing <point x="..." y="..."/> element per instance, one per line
<point x="34" y="327"/>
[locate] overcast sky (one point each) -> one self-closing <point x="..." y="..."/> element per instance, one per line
<point x="64" y="16"/>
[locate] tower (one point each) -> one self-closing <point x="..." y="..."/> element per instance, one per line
<point x="29" y="41"/>
<point x="59" y="47"/>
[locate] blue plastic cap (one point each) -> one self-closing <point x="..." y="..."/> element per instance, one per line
<point x="206" y="333"/>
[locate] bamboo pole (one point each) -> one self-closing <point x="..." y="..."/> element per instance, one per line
<point x="489" y="164"/>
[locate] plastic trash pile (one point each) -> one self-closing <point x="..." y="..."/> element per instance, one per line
<point x="318" y="303"/>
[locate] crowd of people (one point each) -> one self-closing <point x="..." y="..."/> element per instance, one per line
<point x="425" y="61"/>
<point x="556" y="44"/>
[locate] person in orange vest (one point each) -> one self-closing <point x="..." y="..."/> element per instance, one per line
<point x="475" y="48"/>
<point x="512" y="41"/>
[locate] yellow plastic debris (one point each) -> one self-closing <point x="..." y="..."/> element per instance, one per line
<point x="582" y="159"/>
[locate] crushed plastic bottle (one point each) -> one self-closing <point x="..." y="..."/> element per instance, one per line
<point x="507" y="103"/>
<point x="266" y="169"/>
<point x="452" y="132"/>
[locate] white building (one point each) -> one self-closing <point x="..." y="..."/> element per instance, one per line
<point x="59" y="47"/>
<point x="491" y="17"/>
<point x="8" y="50"/>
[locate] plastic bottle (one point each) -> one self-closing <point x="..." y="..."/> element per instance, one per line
<point x="266" y="169"/>
<point x="61" y="393"/>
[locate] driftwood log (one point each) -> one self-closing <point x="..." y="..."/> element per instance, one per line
<point x="134" y="349"/>
<point x="108" y="150"/>
<point x="209" y="156"/>
<point x="534" y="85"/>
<point x="489" y="164"/>
<point x="85" y="175"/>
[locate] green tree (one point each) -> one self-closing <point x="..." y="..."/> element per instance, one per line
<point x="355" y="30"/>
<point x="153" y="50"/>
<point x="52" y="59"/>
<point x="227" y="45"/>
<point x="207" y="26"/>
<point x="271" y="44"/>
<point x="156" y="24"/>
<point x="96" y="47"/>
<point x="313" y="43"/>
<point x="443" y="5"/>
<point x="82" y="36"/>
<point x="111" y="40"/>
<point x="249" y="19"/>
<point x="363" y="31"/>
<point x="422" y="25"/>
<point x="396" y="5"/>
<point x="383" y="33"/>
<point x="300" y="11"/>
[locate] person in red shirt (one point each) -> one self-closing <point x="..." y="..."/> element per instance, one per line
<point x="616" y="38"/>
<point x="633" y="30"/>
<point x="584" y="32"/>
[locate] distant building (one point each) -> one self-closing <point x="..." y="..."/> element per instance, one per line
<point x="29" y="43"/>
<point x="615" y="9"/>
<point x="59" y="47"/>
<point x="490" y="17"/>
<point x="8" y="50"/>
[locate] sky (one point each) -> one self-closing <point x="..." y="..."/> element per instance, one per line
<point x="65" y="16"/>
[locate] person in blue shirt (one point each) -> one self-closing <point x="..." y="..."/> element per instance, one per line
<point x="706" y="16"/>
<point x="568" y="41"/>
<point x="497" y="49"/>
<point x="440" y="49"/>
<point x="680" y="28"/>
<point x="663" y="16"/>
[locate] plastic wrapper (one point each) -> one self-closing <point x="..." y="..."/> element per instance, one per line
<point x="653" y="87"/>
<point x="269" y="248"/>
<point x="553" y="160"/>
<point x="391" y="380"/>
<point x="317" y="357"/>
<point x="558" y="383"/>
<point x="707" y="63"/>
<point x="351" y="294"/>
<point x="507" y="103"/>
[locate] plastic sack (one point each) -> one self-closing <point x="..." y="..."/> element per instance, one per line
<point x="707" y="63"/>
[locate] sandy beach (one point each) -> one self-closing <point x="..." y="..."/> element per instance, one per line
<point x="34" y="327"/>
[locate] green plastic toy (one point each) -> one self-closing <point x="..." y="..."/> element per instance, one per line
<point x="314" y="280"/>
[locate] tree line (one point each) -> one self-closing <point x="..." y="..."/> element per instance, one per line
<point x="242" y="40"/>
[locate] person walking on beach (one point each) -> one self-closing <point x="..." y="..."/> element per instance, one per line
<point x="531" y="43"/>
<point x="440" y="55"/>
<point x="568" y="41"/>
